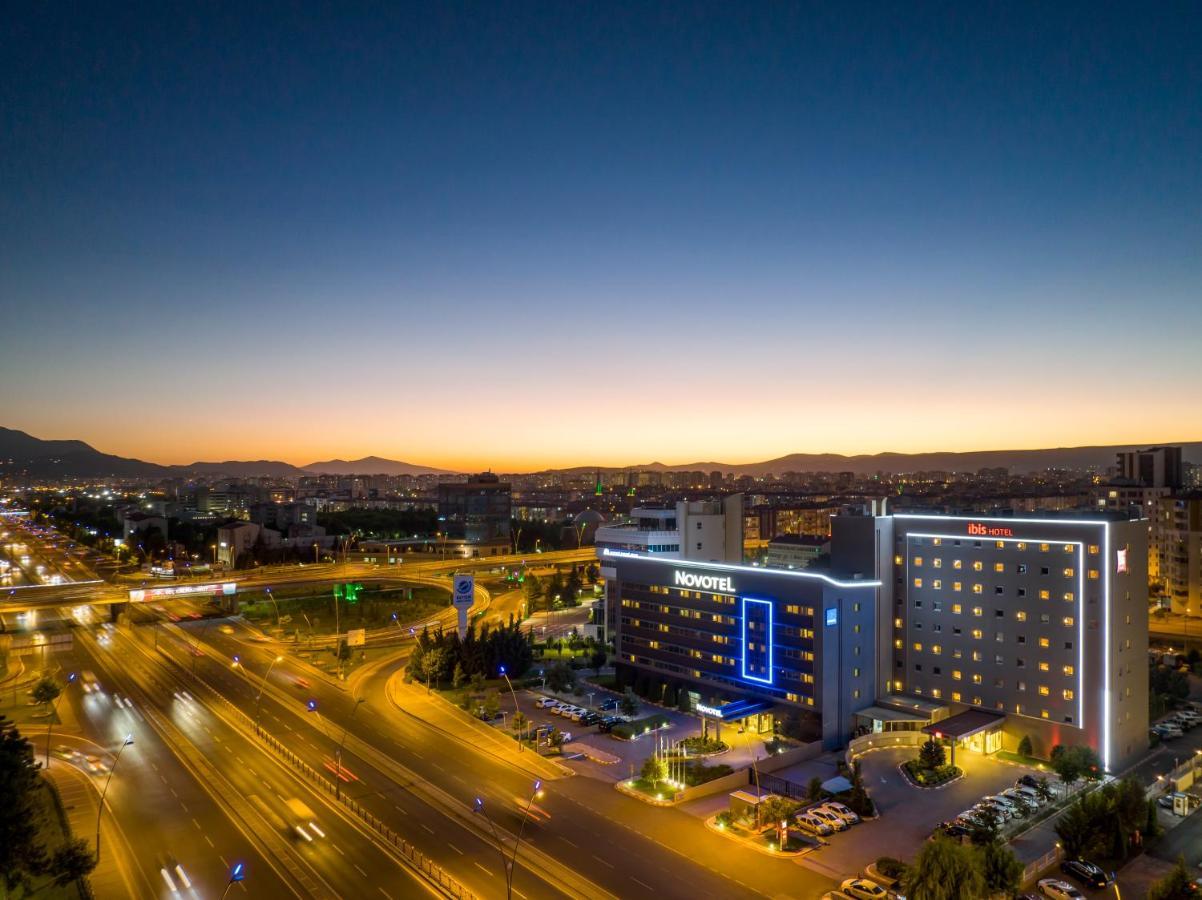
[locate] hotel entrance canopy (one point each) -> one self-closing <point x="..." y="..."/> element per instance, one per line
<point x="964" y="724"/>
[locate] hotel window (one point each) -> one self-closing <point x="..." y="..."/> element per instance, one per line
<point x="1068" y="595"/>
<point x="1068" y="573"/>
<point x="937" y="584"/>
<point x="1020" y="616"/>
<point x="1093" y="574"/>
<point x="1068" y="621"/>
<point x="1043" y="667"/>
<point x="976" y="701"/>
<point x="937" y="563"/>
<point x="977" y="589"/>
<point x="1001" y="545"/>
<point x="936" y="542"/>
<point x="918" y="560"/>
<point x="976" y="678"/>
<point x="1094" y="550"/>
<point x="999" y="567"/>
<point x="1044" y="642"/>
<point x="897" y="623"/>
<point x="936" y="693"/>
<point x="793" y="609"/>
<point x="716" y="657"/>
<point x="897" y="685"/>
<point x="1045" y="595"/>
<point x="855" y="607"/>
<point x="978" y="566"/>
<point x="897" y="644"/>
<point x="1067" y="694"/>
<point x="1068" y="670"/>
<point x="855" y="672"/>
<point x="1043" y="690"/>
<point x="1043" y="548"/>
<point x="976" y="611"/>
<point x="1021" y="545"/>
<point x="1043" y="714"/>
<point x="956" y="608"/>
<point x="956" y="696"/>
<point x="917" y="647"/>
<point x="793" y="698"/>
<point x="897" y="560"/>
<point x="957" y="674"/>
<point x="956" y="585"/>
<point x="957" y="564"/>
<point x="936" y="649"/>
<point x="917" y="582"/>
<point x="957" y="653"/>
<point x="977" y="633"/>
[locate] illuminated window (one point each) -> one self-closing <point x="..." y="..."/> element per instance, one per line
<point x="957" y="564"/>
<point x="999" y="567"/>
<point x="976" y="701"/>
<point x="897" y="560"/>
<point x="1068" y="548"/>
<point x="1093" y="574"/>
<point x="897" y="623"/>
<point x="956" y="696"/>
<point x="1021" y="616"/>
<point x="937" y="584"/>
<point x="1001" y="545"/>
<point x="976" y="611"/>
<point x="1068" y="621"/>
<point x="918" y="560"/>
<point x="1043" y="548"/>
<point x="976" y="633"/>
<point x="956" y="585"/>
<point x="1021" y="545"/>
<point x="1043" y="714"/>
<point x="978" y="566"/>
<point x="1094" y="549"/>
<point x="918" y="646"/>
<point x="917" y="582"/>
<point x="793" y="698"/>
<point x="1043" y="666"/>
<point x="937" y="542"/>
<point x="1068" y="595"/>
<point x="1043" y="690"/>
<point x="1068" y="670"/>
<point x="1044" y="642"/>
<point x="1045" y="595"/>
<point x="937" y="563"/>
<point x="897" y="685"/>
<point x="936" y="693"/>
<point x="956" y="608"/>
<point x="1068" y="573"/>
<point x="897" y="644"/>
<point x="1067" y="694"/>
<point x="957" y="675"/>
<point x="976" y="656"/>
<point x="977" y="589"/>
<point x="976" y="678"/>
<point x="936" y="649"/>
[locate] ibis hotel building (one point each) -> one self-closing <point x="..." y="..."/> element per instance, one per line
<point x="981" y="631"/>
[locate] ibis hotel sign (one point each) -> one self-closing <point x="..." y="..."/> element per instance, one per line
<point x="982" y="530"/>
<point x="704" y="582"/>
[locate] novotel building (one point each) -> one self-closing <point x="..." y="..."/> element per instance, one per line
<point x="981" y="631"/>
<point x="747" y="643"/>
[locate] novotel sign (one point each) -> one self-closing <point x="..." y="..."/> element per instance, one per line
<point x="708" y="710"/>
<point x="977" y="528"/>
<point x="704" y="582"/>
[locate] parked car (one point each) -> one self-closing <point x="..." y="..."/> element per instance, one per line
<point x="1024" y="802"/>
<point x="1000" y="800"/>
<point x="1055" y="889"/>
<point x="1030" y="793"/>
<point x="830" y="817"/>
<point x="813" y="824"/>
<point x="863" y="889"/>
<point x="1087" y="873"/>
<point x="1027" y="781"/>
<point x="607" y="723"/>
<point x="590" y="718"/>
<point x="545" y="702"/>
<point x="1001" y="813"/>
<point x="952" y="829"/>
<point x="607" y="704"/>
<point x="842" y="812"/>
<point x="1167" y="732"/>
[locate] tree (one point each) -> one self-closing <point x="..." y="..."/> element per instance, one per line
<point x="1000" y="868"/>
<point x="592" y="573"/>
<point x="654" y="770"/>
<point x="46" y="691"/>
<point x="492" y="704"/>
<point x="775" y="808"/>
<point x="1024" y="746"/>
<point x="945" y="870"/>
<point x="520" y="723"/>
<point x="814" y="789"/>
<point x="1043" y="788"/>
<point x="560" y="677"/>
<point x="532" y="588"/>
<point x="458" y="676"/>
<point x="432" y="662"/>
<point x="1174" y="886"/>
<point x="1082" y="828"/>
<point x="477" y="682"/>
<point x="858" y="801"/>
<point x="597" y="658"/>
<point x="629" y="703"/>
<point x="71" y="862"/>
<point x="931" y="754"/>
<point x="984" y="831"/>
<point x="20" y="853"/>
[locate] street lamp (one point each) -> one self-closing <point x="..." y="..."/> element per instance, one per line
<point x="129" y="739"/>
<point x="509" y="864"/>
<point x="341" y="744"/>
<point x="53" y="716"/>
<point x="271" y="597"/>
<point x="513" y="694"/>
<point x="237" y="873"/>
<point x="262" y="686"/>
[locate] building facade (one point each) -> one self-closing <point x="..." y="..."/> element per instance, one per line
<point x="478" y="510"/>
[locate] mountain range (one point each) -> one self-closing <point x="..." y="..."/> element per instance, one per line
<point x="21" y="452"/>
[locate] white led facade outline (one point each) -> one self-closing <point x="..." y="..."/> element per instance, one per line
<point x="1078" y="609"/>
<point x="770" y="640"/>
<point x="729" y="567"/>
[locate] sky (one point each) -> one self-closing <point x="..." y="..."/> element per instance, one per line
<point x="526" y="235"/>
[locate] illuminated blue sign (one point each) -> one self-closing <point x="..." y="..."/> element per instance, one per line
<point x="757" y="640"/>
<point x="832" y="615"/>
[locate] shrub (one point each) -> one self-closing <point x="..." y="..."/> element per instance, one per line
<point x="890" y="867"/>
<point x="628" y="730"/>
<point x="1024" y="746"/>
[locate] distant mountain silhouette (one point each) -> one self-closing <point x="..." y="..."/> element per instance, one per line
<point x="371" y="465"/>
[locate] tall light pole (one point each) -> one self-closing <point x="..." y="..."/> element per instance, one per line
<point x="53" y="715"/>
<point x="508" y="864"/>
<point x="516" y="711"/>
<point x="271" y="597"/>
<point x="237" y="873"/>
<point x="129" y="739"/>
<point x="341" y="744"/>
<point x="262" y="686"/>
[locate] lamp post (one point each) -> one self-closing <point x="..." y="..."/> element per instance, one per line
<point x="129" y="739"/>
<point x="341" y="744"/>
<point x="262" y="686"/>
<point x="508" y="864"/>
<point x="513" y="694"/>
<point x="53" y="715"/>
<point x="271" y="597"/>
<point x="237" y="873"/>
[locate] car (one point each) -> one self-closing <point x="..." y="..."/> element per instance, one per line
<point x="1000" y="800"/>
<point x="300" y="682"/>
<point x="93" y="764"/>
<point x="863" y="889"/>
<point x="559" y="708"/>
<point x="1030" y="793"/>
<point x="226" y="629"/>
<point x="842" y="812"/>
<point x="578" y="713"/>
<point x="1165" y="802"/>
<point x="1055" y="889"/>
<point x="590" y="718"/>
<point x="1026" y="803"/>
<point x="999" y="812"/>
<point x="544" y="702"/>
<point x="607" y="723"/>
<point x="831" y="818"/>
<point x="1027" y="781"/>
<point x="1168" y="732"/>
<point x="1087" y="873"/>
<point x="813" y="825"/>
<point x="608" y="704"/>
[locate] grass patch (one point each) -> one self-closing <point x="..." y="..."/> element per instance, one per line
<point x="698" y="744"/>
<point x="628" y="730"/>
<point x="609" y="680"/>
<point x="1033" y="762"/>
<point x="374" y="608"/>
<point x="929" y="777"/>
<point x="53" y="833"/>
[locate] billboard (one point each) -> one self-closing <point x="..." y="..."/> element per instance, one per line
<point x="140" y="595"/>
<point x="356" y="637"/>
<point x="463" y="591"/>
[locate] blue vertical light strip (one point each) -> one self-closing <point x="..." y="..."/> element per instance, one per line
<point x="770" y="636"/>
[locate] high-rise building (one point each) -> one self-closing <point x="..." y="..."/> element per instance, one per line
<point x="478" y="509"/>
<point x="1156" y="467"/>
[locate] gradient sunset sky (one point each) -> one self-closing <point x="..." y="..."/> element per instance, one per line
<point x="522" y="235"/>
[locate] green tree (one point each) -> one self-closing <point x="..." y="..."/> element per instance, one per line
<point x="598" y="658"/>
<point x="477" y="682"/>
<point x="774" y="808"/>
<point x="1082" y="828"/>
<point x="20" y="853"/>
<point x="432" y="663"/>
<point x="1001" y="869"/>
<point x="945" y="870"/>
<point x="1024" y="746"/>
<point x="629" y="703"/>
<point x="858" y="801"/>
<point x="1174" y="886"/>
<point x="814" y="789"/>
<point x="931" y="754"/>
<point x="654" y="770"/>
<point x="560" y="677"/>
<point x="71" y="862"/>
<point x="1043" y="788"/>
<point x="492" y="704"/>
<point x="532" y="588"/>
<point x="984" y="830"/>
<point x="458" y="676"/>
<point x="46" y="691"/>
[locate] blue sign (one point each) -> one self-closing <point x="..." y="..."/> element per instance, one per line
<point x="832" y="615"/>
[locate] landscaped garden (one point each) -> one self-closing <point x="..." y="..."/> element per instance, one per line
<point x="930" y="768"/>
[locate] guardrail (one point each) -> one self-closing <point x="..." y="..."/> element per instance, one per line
<point x="1033" y="869"/>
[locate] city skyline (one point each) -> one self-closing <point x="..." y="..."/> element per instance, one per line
<point x="517" y="238"/>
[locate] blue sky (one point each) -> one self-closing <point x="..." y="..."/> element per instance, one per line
<point x="846" y="228"/>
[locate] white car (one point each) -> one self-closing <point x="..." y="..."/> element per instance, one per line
<point x="561" y="709"/>
<point x="863" y="889"/>
<point x="1055" y="889"/>
<point x="1029" y="794"/>
<point x="544" y="702"/>
<point x="1022" y="801"/>
<point x="842" y="812"/>
<point x="813" y="824"/>
<point x="830" y="817"/>
<point x="1001" y="813"/>
<point x="577" y="713"/>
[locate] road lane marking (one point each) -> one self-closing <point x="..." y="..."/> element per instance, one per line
<point x="643" y="883"/>
<point x="385" y="893"/>
<point x="604" y="861"/>
<point x="427" y="827"/>
<point x="566" y="841"/>
<point x="453" y="847"/>
<point x="339" y="849"/>
<point x="488" y="872"/>
<point x="360" y="868"/>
